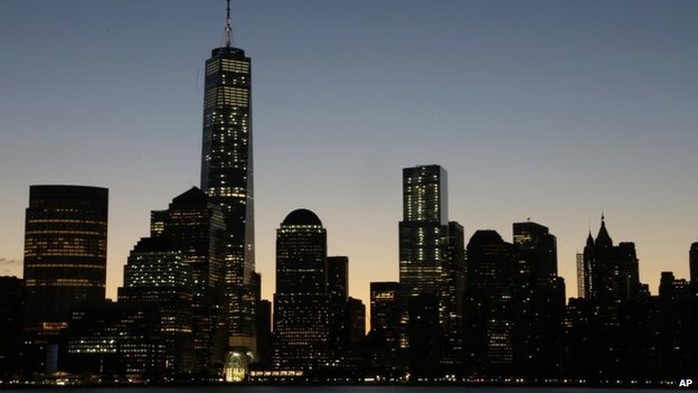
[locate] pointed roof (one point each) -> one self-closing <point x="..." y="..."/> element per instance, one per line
<point x="603" y="237"/>
<point x="590" y="239"/>
<point x="193" y="197"/>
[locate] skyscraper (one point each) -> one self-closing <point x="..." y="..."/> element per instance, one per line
<point x="540" y="301"/>
<point x="301" y="302"/>
<point x="227" y="178"/>
<point x="423" y="229"/>
<point x="65" y="249"/>
<point x="432" y="262"/>
<point x="157" y="275"/>
<point x="610" y="272"/>
<point x="384" y="336"/>
<point x="693" y="263"/>
<point x="489" y="316"/>
<point x="190" y="232"/>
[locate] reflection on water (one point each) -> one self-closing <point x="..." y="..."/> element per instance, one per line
<point x="336" y="389"/>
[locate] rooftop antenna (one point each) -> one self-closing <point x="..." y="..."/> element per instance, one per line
<point x="228" y="29"/>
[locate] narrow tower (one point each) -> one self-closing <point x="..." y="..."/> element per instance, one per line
<point x="226" y="177"/>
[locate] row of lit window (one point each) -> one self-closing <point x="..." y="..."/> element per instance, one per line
<point x="227" y="65"/>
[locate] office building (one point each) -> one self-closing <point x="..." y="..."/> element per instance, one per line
<point x="610" y="272"/>
<point x="65" y="251"/>
<point x="693" y="263"/>
<point x="302" y="301"/>
<point x="540" y="301"/>
<point x="157" y="275"/>
<point x="432" y="265"/>
<point x="186" y="254"/>
<point x="227" y="178"/>
<point x="490" y="307"/>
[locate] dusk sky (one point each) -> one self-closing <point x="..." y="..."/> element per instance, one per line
<point x="553" y="110"/>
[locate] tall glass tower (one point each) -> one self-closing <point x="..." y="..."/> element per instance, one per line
<point x="432" y="271"/>
<point x="226" y="177"/>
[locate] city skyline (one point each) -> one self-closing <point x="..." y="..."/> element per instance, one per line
<point x="513" y="100"/>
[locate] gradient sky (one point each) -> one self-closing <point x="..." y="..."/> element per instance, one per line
<point x="551" y="110"/>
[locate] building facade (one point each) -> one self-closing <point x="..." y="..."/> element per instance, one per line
<point x="302" y="312"/>
<point x="611" y="272"/>
<point x="193" y="229"/>
<point x="227" y="178"/>
<point x="65" y="249"/>
<point x="157" y="275"/>
<point x="432" y="267"/>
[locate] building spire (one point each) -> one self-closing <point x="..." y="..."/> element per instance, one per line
<point x="228" y="29"/>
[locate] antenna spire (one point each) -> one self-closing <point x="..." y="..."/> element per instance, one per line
<point x="228" y="29"/>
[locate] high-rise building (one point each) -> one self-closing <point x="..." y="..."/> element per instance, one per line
<point x="538" y="248"/>
<point x="432" y="262"/>
<point x="540" y="301"/>
<point x="423" y="230"/>
<point x="65" y="250"/>
<point x="302" y="301"/>
<point x="337" y="271"/>
<point x="12" y="308"/>
<point x="185" y="259"/>
<point x="227" y="178"/>
<point x="610" y="272"/>
<point x="693" y="263"/>
<point x="157" y="275"/>
<point x="491" y="287"/>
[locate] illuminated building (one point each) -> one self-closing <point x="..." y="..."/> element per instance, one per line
<point x="158" y="276"/>
<point x="192" y="232"/>
<point x="227" y="178"/>
<point x="423" y="229"/>
<point x="65" y="249"/>
<point x="302" y="301"/>
<point x="385" y="327"/>
<point x="432" y="263"/>
<point x="119" y="342"/>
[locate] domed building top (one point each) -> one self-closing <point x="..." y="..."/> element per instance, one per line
<point x="302" y="217"/>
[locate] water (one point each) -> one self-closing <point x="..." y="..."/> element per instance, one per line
<point x="336" y="389"/>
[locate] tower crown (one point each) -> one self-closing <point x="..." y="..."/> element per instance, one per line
<point x="302" y="217"/>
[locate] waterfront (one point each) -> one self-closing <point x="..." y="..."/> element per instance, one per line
<point x="339" y="389"/>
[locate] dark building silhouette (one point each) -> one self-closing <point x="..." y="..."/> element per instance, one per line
<point x="12" y="308"/>
<point x="605" y="332"/>
<point x="431" y="268"/>
<point x="673" y="289"/>
<point x="264" y="334"/>
<point x="384" y="335"/>
<point x="610" y="272"/>
<point x="540" y="302"/>
<point x="302" y="302"/>
<point x="490" y="306"/>
<point x="227" y="178"/>
<point x="693" y="267"/>
<point x="337" y="270"/>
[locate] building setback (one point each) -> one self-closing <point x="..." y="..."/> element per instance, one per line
<point x="432" y="272"/>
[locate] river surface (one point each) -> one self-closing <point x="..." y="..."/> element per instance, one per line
<point x="338" y="389"/>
